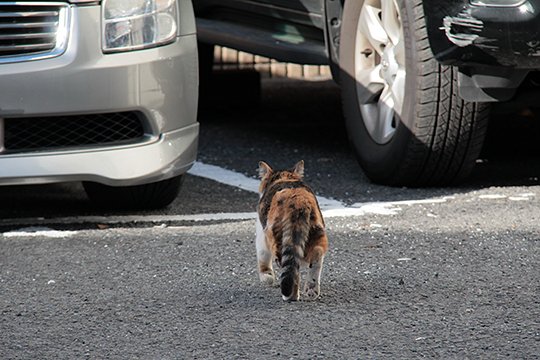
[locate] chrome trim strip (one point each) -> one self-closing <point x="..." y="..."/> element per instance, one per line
<point x="29" y="25"/>
<point x="26" y="36"/>
<point x="488" y="3"/>
<point x="33" y="3"/>
<point x="61" y="32"/>
<point x="28" y="14"/>
<point x="1" y="135"/>
<point x="43" y="46"/>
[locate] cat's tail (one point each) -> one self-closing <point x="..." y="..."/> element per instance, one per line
<point x="295" y="235"/>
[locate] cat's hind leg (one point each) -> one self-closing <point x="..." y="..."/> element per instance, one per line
<point x="312" y="288"/>
<point x="315" y="258"/>
<point x="264" y="256"/>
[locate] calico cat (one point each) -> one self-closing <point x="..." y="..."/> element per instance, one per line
<point x="290" y="229"/>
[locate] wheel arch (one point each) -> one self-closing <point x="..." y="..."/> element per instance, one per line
<point x="333" y="13"/>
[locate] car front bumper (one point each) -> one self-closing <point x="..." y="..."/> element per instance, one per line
<point x="486" y="33"/>
<point x="160" y="83"/>
<point x="173" y="153"/>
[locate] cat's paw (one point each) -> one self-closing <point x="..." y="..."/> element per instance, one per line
<point x="291" y="298"/>
<point x="267" y="279"/>
<point x="311" y="292"/>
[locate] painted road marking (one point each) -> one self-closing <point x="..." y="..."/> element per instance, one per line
<point x="330" y="207"/>
<point x="241" y="181"/>
<point x="39" y="231"/>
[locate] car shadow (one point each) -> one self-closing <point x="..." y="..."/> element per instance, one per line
<point x="303" y="119"/>
<point x="511" y="152"/>
<point x="291" y="120"/>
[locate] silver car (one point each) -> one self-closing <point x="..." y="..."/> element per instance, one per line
<point x="103" y="92"/>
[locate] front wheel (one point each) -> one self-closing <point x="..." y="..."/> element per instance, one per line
<point x="138" y="197"/>
<point x="407" y="124"/>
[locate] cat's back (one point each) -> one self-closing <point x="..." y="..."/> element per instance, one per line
<point x="294" y="203"/>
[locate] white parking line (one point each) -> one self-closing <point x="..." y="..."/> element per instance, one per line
<point x="224" y="176"/>
<point x="128" y="219"/>
<point x="329" y="207"/>
<point x="39" y="231"/>
<point x="243" y="182"/>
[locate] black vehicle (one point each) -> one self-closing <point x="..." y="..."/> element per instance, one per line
<point x="416" y="76"/>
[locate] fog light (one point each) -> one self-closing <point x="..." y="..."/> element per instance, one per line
<point x="498" y="3"/>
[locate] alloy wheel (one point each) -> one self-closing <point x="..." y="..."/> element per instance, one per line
<point x="380" y="67"/>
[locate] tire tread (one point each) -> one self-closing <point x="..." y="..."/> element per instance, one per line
<point x="450" y="131"/>
<point x="441" y="136"/>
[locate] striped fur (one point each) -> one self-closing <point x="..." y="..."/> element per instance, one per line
<point x="290" y="229"/>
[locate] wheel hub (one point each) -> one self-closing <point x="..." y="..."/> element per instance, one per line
<point x="380" y="68"/>
<point x="389" y="66"/>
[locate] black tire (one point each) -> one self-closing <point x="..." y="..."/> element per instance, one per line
<point x="438" y="136"/>
<point x="138" y="197"/>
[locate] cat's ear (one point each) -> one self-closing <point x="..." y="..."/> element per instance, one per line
<point x="299" y="168"/>
<point x="264" y="169"/>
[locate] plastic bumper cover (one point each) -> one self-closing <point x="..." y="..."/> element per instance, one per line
<point x="493" y="33"/>
<point x="172" y="154"/>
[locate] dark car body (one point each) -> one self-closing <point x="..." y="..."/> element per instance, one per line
<point x="495" y="43"/>
<point x="416" y="76"/>
<point x="468" y="32"/>
<point x="285" y="30"/>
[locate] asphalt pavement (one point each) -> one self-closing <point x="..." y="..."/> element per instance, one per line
<point x="443" y="273"/>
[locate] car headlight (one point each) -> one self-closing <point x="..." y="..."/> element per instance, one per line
<point x="138" y="24"/>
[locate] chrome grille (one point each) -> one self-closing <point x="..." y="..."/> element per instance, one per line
<point x="32" y="30"/>
<point x="59" y="132"/>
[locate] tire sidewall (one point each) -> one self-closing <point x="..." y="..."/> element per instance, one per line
<point x="381" y="163"/>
